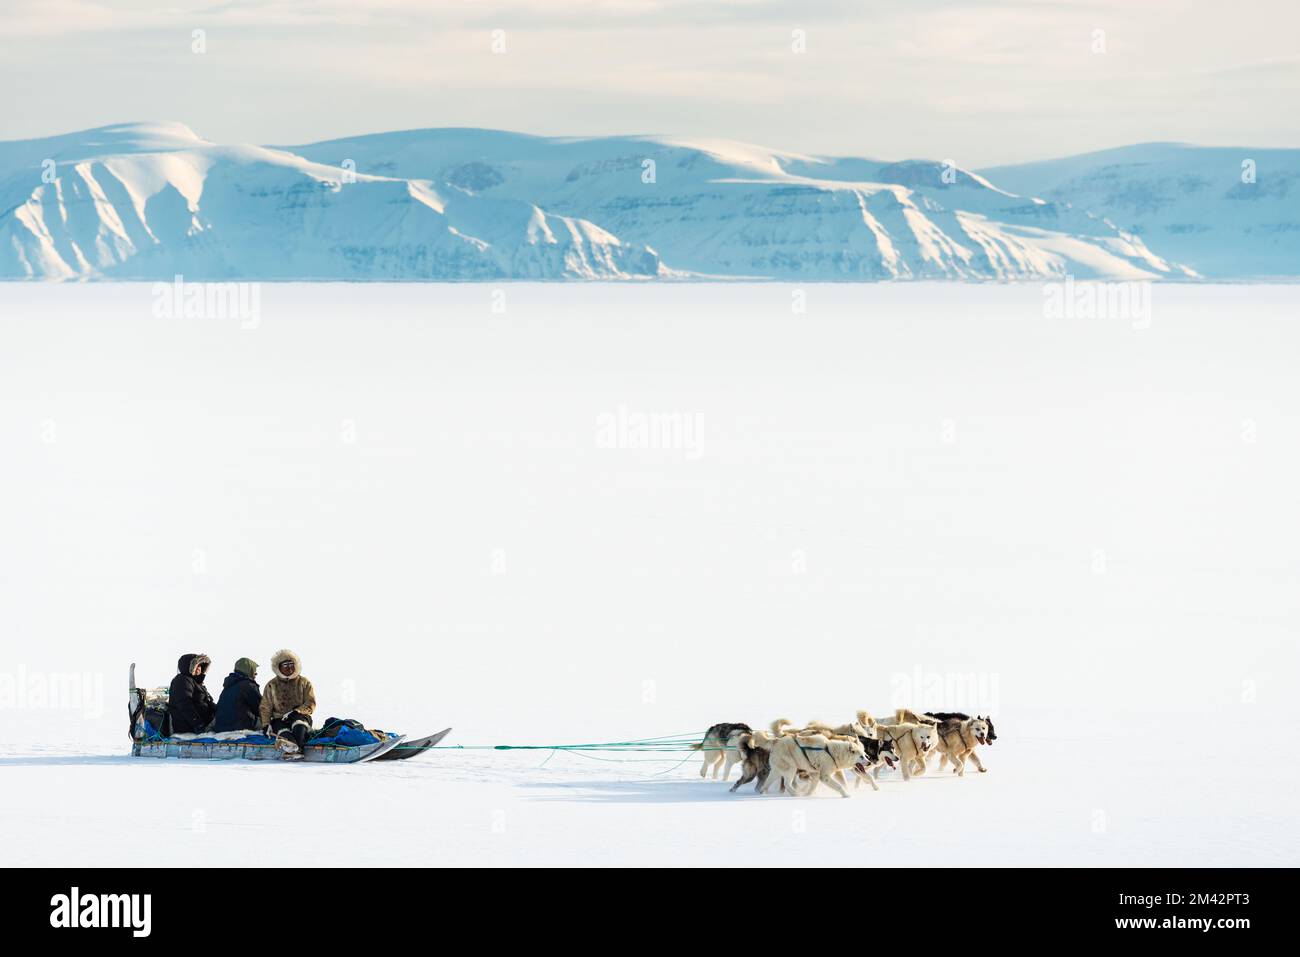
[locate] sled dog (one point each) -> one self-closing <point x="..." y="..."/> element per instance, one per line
<point x="720" y="747"/>
<point x="956" y="741"/>
<point x="877" y="753"/>
<point x="958" y="716"/>
<point x="815" y="756"/>
<point x="911" y="742"/>
<point x="755" y="760"/>
<point x="862" y="726"/>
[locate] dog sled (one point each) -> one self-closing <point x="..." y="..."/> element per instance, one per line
<point x="338" y="742"/>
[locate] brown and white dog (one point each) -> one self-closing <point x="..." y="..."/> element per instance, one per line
<point x="957" y="740"/>
<point x="755" y="760"/>
<point x="950" y="715"/>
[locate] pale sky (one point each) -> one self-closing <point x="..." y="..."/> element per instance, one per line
<point x="977" y="81"/>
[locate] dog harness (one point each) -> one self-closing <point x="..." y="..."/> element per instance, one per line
<point x="805" y="754"/>
<point x="962" y="728"/>
<point x="896" y="738"/>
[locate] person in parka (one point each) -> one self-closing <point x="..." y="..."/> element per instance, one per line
<point x="241" y="701"/>
<point x="288" y="701"/>
<point x="190" y="708"/>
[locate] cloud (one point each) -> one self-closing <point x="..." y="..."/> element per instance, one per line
<point x="1007" y="77"/>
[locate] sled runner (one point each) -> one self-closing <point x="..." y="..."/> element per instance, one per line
<point x="259" y="748"/>
<point x="410" y="749"/>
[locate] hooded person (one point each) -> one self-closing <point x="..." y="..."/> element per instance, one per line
<point x="288" y="701"/>
<point x="190" y="708"/>
<point x="241" y="700"/>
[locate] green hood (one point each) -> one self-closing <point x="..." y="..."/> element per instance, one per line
<point x="246" y="666"/>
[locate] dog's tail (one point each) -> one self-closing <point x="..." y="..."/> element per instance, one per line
<point x="781" y="726"/>
<point x="762" y="740"/>
<point x="865" y="719"/>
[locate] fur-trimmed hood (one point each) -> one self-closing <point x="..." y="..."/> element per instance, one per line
<point x="283" y="655"/>
<point x="282" y="695"/>
<point x="188" y="664"/>
<point x="189" y="706"/>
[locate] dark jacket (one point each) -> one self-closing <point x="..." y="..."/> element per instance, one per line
<point x="237" y="707"/>
<point x="189" y="706"/>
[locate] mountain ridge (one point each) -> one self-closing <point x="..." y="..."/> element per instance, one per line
<point x="1228" y="212"/>
<point x="151" y="200"/>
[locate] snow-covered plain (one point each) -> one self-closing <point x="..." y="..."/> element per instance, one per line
<point x="926" y="494"/>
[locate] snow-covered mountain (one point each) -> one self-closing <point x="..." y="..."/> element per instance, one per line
<point x="153" y="201"/>
<point x="717" y="208"/>
<point x="149" y="201"/>
<point x="1227" y="212"/>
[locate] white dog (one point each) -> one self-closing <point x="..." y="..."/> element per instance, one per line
<point x="815" y="757"/>
<point x="912" y="742"/>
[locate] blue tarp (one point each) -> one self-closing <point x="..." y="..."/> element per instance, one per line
<point x="348" y="737"/>
<point x="253" y="737"/>
<point x="344" y="734"/>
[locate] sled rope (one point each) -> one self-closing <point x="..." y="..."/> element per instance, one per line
<point x="666" y="744"/>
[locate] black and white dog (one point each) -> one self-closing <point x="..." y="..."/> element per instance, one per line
<point x="878" y="752"/>
<point x="720" y="748"/>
